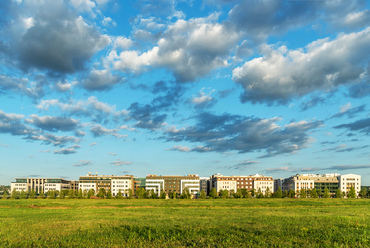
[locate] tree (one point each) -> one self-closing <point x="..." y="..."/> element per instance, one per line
<point x="101" y="193"/>
<point x="42" y="194"/>
<point x="326" y="193"/>
<point x="71" y="194"/>
<point x="246" y="193"/>
<point x="90" y="193"/>
<point x="338" y="193"/>
<point x="313" y="193"/>
<point x="62" y="194"/>
<point x="279" y="193"/>
<point x="291" y="193"/>
<point x="119" y="195"/>
<point x="23" y="194"/>
<point x="51" y="194"/>
<point x="267" y="192"/>
<point x="130" y="194"/>
<point x="224" y="193"/>
<point x="185" y="194"/>
<point x="302" y="194"/>
<point x="253" y="192"/>
<point x="153" y="194"/>
<point x="174" y="195"/>
<point x="32" y="194"/>
<point x="352" y="193"/>
<point x="238" y="194"/>
<point x="109" y="195"/>
<point x="15" y="194"/>
<point x="213" y="193"/>
<point x="203" y="195"/>
<point x="146" y="194"/>
<point x="259" y="193"/>
<point x="363" y="192"/>
<point x="140" y="193"/>
<point x="5" y="195"/>
<point x="163" y="195"/>
<point x="80" y="194"/>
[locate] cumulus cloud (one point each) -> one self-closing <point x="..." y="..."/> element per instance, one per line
<point x="283" y="74"/>
<point x="59" y="40"/>
<point x="259" y="19"/>
<point x="179" y="148"/>
<point x="66" y="151"/>
<point x="92" y="107"/>
<point x="53" y="123"/>
<point x="13" y="124"/>
<point x="203" y="100"/>
<point x="33" y="89"/>
<point x="189" y="49"/>
<point x="98" y="130"/>
<point x="221" y="133"/>
<point x="123" y="43"/>
<point x="101" y="80"/>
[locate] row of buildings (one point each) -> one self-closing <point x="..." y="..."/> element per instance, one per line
<point x="193" y="183"/>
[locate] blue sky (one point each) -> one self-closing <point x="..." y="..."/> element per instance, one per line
<point x="184" y="87"/>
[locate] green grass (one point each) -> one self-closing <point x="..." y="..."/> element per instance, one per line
<point x="180" y="223"/>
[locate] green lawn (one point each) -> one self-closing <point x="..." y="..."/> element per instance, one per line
<point x="179" y="223"/>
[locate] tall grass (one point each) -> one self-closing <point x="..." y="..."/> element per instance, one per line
<point x="180" y="223"/>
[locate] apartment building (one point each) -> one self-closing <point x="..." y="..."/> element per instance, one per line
<point x="107" y="182"/>
<point x="279" y="182"/>
<point x="348" y="181"/>
<point x="204" y="183"/>
<point x="330" y="181"/>
<point x="233" y="183"/>
<point x="44" y="184"/>
<point x="171" y="184"/>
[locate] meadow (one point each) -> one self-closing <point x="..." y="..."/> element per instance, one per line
<point x="180" y="223"/>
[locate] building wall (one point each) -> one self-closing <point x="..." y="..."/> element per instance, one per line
<point x="171" y="184"/>
<point x="348" y="181"/>
<point x="107" y="182"/>
<point x="38" y="184"/>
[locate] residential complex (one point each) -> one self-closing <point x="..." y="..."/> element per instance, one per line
<point x="42" y="184"/>
<point x="170" y="184"/>
<point x="112" y="183"/>
<point x="233" y="183"/>
<point x="331" y="181"/>
<point x="193" y="183"/>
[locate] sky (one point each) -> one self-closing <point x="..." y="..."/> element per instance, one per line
<point x="177" y="87"/>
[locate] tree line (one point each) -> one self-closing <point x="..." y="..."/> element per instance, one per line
<point x="141" y="193"/>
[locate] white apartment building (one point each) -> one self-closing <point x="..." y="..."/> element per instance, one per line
<point x="122" y="184"/>
<point x="256" y="182"/>
<point x="348" y="181"/>
<point x="44" y="184"/>
<point x="263" y="183"/>
<point x="107" y="182"/>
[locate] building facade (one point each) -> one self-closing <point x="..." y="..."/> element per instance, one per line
<point x="233" y="183"/>
<point x="42" y="184"/>
<point x="170" y="184"/>
<point x="112" y="183"/>
<point x="350" y="180"/>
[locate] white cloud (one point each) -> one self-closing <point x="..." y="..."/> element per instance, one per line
<point x="123" y="42"/>
<point x="190" y="49"/>
<point x="282" y="74"/>
<point x="107" y="21"/>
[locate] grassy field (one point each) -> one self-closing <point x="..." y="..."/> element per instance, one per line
<point x="180" y="223"/>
